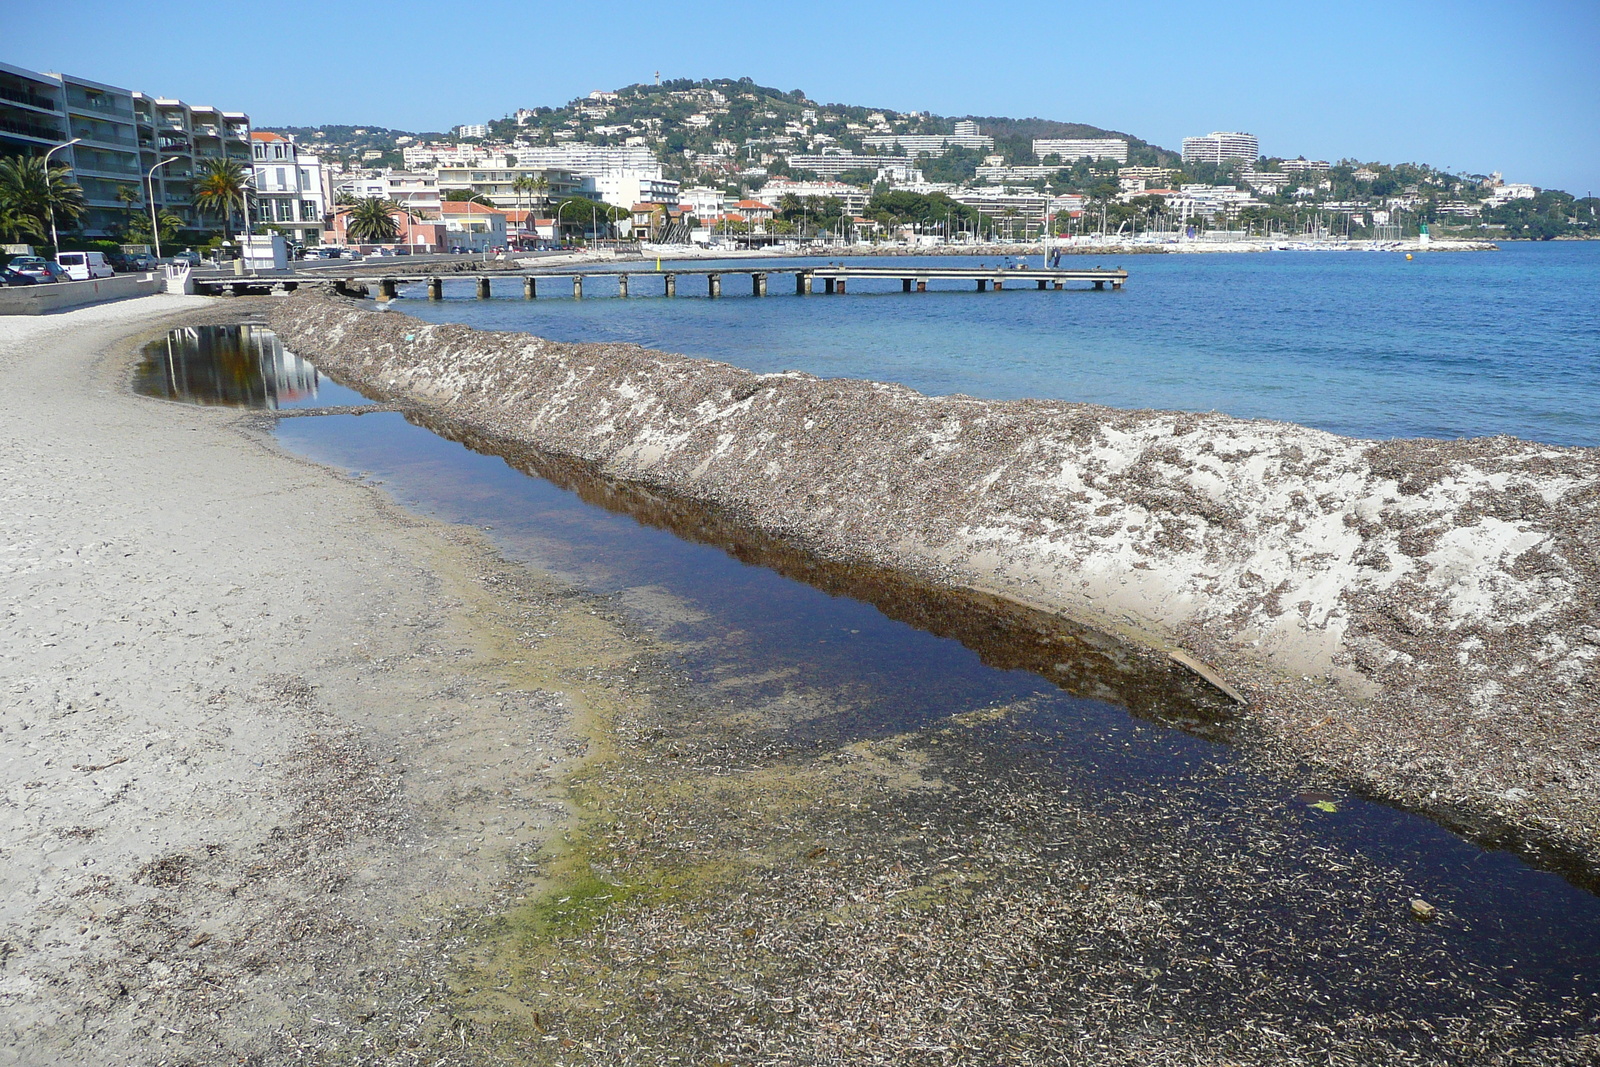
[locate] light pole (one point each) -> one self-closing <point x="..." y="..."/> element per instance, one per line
<point x="55" y="245"/>
<point x="150" y="186"/>
<point x="559" y="209"/>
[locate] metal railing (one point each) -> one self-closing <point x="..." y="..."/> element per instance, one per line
<point x="28" y="129"/>
<point x="102" y="106"/>
<point x="22" y="96"/>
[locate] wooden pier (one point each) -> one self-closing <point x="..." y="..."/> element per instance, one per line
<point x="807" y="280"/>
<point x="642" y="281"/>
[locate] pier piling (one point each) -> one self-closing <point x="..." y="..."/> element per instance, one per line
<point x="828" y="285"/>
<point x="388" y="288"/>
<point x="713" y="285"/>
<point x="622" y="285"/>
<point x="671" y="281"/>
<point x="802" y="283"/>
<point x="577" y="287"/>
<point x="483" y="288"/>
<point x="435" y="288"/>
<point x="530" y="288"/>
<point x="983" y="285"/>
<point x="758" y="285"/>
<point x="922" y="285"/>
<point x="905" y="285"/>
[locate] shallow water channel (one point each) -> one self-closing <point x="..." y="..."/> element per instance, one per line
<point x="1272" y="870"/>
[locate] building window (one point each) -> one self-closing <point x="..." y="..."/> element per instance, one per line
<point x="308" y="210"/>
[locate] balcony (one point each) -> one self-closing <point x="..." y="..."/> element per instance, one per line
<point x="29" y="129"/>
<point x="103" y="167"/>
<point x="23" y="96"/>
<point x="101" y="105"/>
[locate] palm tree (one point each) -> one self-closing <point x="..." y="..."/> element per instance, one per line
<point x="139" y="228"/>
<point x="223" y="185"/>
<point x="28" y="192"/>
<point x="524" y="184"/>
<point x="372" y="220"/>
<point x="128" y="196"/>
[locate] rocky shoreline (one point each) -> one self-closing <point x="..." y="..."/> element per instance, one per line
<point x="1419" y="617"/>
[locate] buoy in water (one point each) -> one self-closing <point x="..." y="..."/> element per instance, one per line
<point x="1408" y="255"/>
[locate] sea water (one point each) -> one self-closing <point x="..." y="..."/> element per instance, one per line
<point x="1447" y="344"/>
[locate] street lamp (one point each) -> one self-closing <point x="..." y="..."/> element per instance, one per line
<point x="49" y="199"/>
<point x="150" y="186"/>
<point x="471" y="200"/>
<point x="559" y="209"/>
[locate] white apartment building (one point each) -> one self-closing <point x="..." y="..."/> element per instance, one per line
<point x="1267" y="181"/>
<point x="1217" y="146"/>
<point x="584" y="158"/>
<point x="289" y="187"/>
<point x="1000" y="174"/>
<point x="1003" y="203"/>
<point x="853" y="197"/>
<point x="702" y="201"/>
<point x="1072" y="149"/>
<point x="122" y="135"/>
<point x="627" y="186"/>
<point x="418" y="156"/>
<point x="479" y="130"/>
<point x="620" y="175"/>
<point x="831" y="164"/>
<point x="1509" y="191"/>
<point x="1305" y="166"/>
<point x="1219" y="199"/>
<point x="416" y="191"/>
<point x="966" y="135"/>
<point x="1159" y="175"/>
<point x="498" y="184"/>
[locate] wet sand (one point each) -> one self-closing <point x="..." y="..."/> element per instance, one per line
<point x="262" y="730"/>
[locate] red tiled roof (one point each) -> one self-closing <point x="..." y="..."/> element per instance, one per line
<point x="468" y="207"/>
<point x="263" y="135"/>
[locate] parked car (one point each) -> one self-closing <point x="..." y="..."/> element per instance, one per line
<point x="142" y="261"/>
<point x="39" y="269"/>
<point x="401" y="250"/>
<point x="86" y="266"/>
<point x="188" y="255"/>
<point x="16" y="277"/>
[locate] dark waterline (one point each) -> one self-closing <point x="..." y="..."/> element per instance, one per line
<point x="1447" y="345"/>
<point x="1512" y="926"/>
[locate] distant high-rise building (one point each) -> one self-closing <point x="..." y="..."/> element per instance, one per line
<point x="1072" y="149"/>
<point x="479" y="130"/>
<point x="1216" y="147"/>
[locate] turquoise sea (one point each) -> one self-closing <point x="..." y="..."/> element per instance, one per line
<point x="1449" y="344"/>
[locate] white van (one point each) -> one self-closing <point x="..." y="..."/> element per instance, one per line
<point x="82" y="266"/>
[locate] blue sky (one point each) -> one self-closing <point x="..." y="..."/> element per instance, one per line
<point x="1470" y="85"/>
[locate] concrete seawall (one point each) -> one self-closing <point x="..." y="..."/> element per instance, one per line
<point x="1419" y="616"/>
<point x="58" y="296"/>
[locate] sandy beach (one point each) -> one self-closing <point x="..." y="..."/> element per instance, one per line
<point x="262" y="730"/>
<point x="293" y="775"/>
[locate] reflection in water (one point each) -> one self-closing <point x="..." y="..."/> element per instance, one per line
<point x="232" y="366"/>
<point x="1004" y="634"/>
